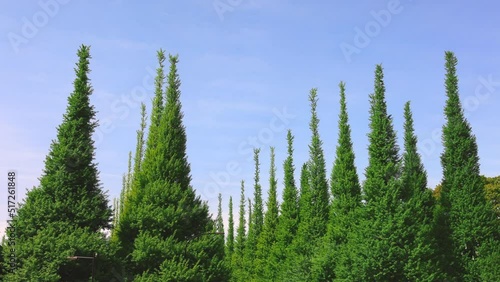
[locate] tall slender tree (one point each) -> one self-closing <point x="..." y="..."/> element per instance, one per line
<point x="346" y="193"/>
<point x="166" y="231"/>
<point x="317" y="174"/>
<point x="240" y="241"/>
<point x="248" y="256"/>
<point x="375" y="250"/>
<point x="383" y="159"/>
<point x="230" y="233"/>
<point x="266" y="267"/>
<point x="417" y="212"/>
<point x="64" y="215"/>
<point x="129" y="183"/>
<point x="467" y="214"/>
<point x="124" y="231"/>
<point x="314" y="202"/>
<point x="256" y="219"/>
<point x="289" y="214"/>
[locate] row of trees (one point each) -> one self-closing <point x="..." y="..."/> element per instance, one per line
<point x="326" y="228"/>
<point x="390" y="228"/>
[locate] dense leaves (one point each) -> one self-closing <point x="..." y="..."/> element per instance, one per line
<point x="468" y="217"/>
<point x="391" y="227"/>
<point x="65" y="215"/>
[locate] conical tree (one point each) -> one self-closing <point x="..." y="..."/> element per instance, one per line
<point x="256" y="219"/>
<point x="375" y="250"/>
<point x="238" y="273"/>
<point x="345" y="186"/>
<point x="230" y="232"/>
<point x="317" y="175"/>
<point x="417" y="212"/>
<point x="64" y="215"/>
<point x="384" y="162"/>
<point x="266" y="268"/>
<point x="289" y="214"/>
<point x="467" y="214"/>
<point x="167" y="230"/>
<point x="314" y="202"/>
<point x="346" y="191"/>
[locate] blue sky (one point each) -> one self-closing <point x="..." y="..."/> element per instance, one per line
<point x="246" y="68"/>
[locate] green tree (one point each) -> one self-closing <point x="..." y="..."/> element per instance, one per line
<point x="375" y="250"/>
<point x="384" y="162"/>
<point x="314" y="202"/>
<point x="65" y="214"/>
<point x="124" y="232"/>
<point x="240" y="241"/>
<point x="346" y="193"/>
<point x="417" y="212"/>
<point x="317" y="175"/>
<point x="266" y="268"/>
<point x="469" y="217"/>
<point x="248" y="260"/>
<point x="128" y="183"/>
<point x="256" y="220"/>
<point x="166" y="222"/>
<point x="289" y="215"/>
<point x="230" y="232"/>
<point x="297" y="265"/>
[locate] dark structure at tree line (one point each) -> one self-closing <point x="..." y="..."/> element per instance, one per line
<point x="327" y="227"/>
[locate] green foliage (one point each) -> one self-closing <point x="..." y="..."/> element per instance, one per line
<point x="345" y="186"/>
<point x="313" y="204"/>
<point x="164" y="222"/>
<point x="376" y="250"/>
<point x="288" y="219"/>
<point x="230" y="232"/>
<point x="65" y="214"/>
<point x="219" y="223"/>
<point x="317" y="175"/>
<point x="346" y="193"/>
<point x="256" y="220"/>
<point x="492" y="191"/>
<point x="238" y="273"/>
<point x="466" y="213"/>
<point x="392" y="229"/>
<point x="383" y="160"/>
<point x="139" y="149"/>
<point x="265" y="265"/>
<point x="128" y="179"/>
<point x="417" y="212"/>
